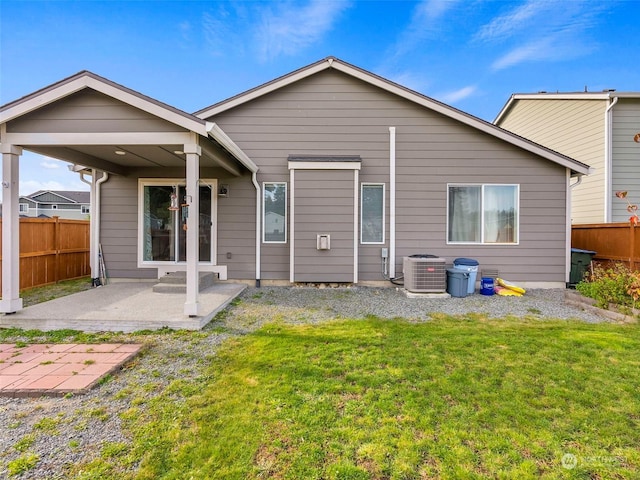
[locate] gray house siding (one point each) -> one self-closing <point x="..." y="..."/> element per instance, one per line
<point x="331" y="113"/>
<point x="119" y="228"/>
<point x="89" y="111"/>
<point x="324" y="205"/>
<point x="626" y="152"/>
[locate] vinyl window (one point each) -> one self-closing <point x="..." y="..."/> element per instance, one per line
<point x="372" y="213"/>
<point x="274" y="212"/>
<point x="484" y="214"/>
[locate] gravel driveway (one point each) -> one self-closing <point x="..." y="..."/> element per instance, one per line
<point x="67" y="431"/>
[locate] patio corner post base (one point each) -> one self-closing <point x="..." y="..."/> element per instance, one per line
<point x="192" y="309"/>
<point x="10" y="305"/>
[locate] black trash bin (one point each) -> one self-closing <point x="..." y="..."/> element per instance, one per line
<point x="580" y="261"/>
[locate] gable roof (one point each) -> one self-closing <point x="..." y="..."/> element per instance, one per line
<point x="69" y="195"/>
<point x="575" y="166"/>
<point x="87" y="79"/>
<point x="607" y="95"/>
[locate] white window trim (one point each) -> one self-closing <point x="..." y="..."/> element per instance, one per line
<point x="165" y="265"/>
<point x="85" y="209"/>
<point x="482" y="242"/>
<point x="384" y="208"/>
<point x="23" y="208"/>
<point x="286" y="216"/>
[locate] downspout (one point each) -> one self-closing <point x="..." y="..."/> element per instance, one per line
<point x="95" y="222"/>
<point x="254" y="179"/>
<point x="608" y="160"/>
<point x="392" y="202"/>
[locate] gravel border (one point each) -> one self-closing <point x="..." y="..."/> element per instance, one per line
<point x="72" y="430"/>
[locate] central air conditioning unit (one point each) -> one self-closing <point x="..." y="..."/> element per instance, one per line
<point x="424" y="274"/>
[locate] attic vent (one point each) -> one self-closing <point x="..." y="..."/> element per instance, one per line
<point x="425" y="274"/>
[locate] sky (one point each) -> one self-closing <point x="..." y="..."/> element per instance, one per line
<point x="470" y="54"/>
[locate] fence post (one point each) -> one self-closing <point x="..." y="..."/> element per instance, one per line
<point x="56" y="247"/>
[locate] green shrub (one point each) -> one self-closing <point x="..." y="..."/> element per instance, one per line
<point x="612" y="284"/>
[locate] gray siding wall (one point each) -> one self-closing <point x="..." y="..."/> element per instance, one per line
<point x="236" y="223"/>
<point x="334" y="114"/>
<point x="324" y="203"/>
<point x="626" y="155"/>
<point x="576" y="129"/>
<point x="89" y="111"/>
<point x="119" y="228"/>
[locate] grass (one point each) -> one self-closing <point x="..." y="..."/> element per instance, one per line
<point x="45" y="293"/>
<point x="373" y="399"/>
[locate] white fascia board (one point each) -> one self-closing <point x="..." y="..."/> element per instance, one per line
<point x="551" y="96"/>
<point x="41" y="100"/>
<point x="324" y="165"/>
<point x="230" y="146"/>
<point x="193" y="124"/>
<point x="86" y="80"/>
<point x="462" y="117"/>
<point x="263" y="90"/>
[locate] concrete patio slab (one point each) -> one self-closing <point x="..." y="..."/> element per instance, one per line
<point x="49" y="370"/>
<point x="123" y="307"/>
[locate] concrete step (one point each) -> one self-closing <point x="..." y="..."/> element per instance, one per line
<point x="176" y="282"/>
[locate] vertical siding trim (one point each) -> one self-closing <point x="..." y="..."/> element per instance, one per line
<point x="392" y="202"/>
<point x="292" y="222"/>
<point x="356" y="237"/>
<point x="608" y="159"/>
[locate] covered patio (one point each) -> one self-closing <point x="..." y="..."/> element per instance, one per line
<point x="106" y="130"/>
<point x="123" y="307"/>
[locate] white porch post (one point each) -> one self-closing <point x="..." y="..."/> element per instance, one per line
<point x="192" y="152"/>
<point x="11" y="301"/>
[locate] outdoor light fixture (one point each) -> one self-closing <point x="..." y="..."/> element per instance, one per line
<point x="120" y="152"/>
<point x="178" y="152"/>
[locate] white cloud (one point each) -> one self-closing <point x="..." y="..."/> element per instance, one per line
<point x="50" y="164"/>
<point x="286" y="29"/>
<point x="542" y="30"/>
<point x="457" y="95"/>
<point x="425" y="22"/>
<point x="506" y="25"/>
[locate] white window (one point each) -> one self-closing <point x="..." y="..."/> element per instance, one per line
<point x="84" y="209"/>
<point x="487" y="214"/>
<point x="54" y="207"/>
<point x="23" y="208"/>
<point x="372" y="213"/>
<point x="274" y="212"/>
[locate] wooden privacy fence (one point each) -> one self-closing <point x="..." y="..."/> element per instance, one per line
<point x="618" y="242"/>
<point x="51" y="250"/>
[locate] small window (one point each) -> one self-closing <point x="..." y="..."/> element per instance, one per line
<point x="54" y="207"/>
<point x="372" y="213"/>
<point x="274" y="212"/>
<point x="485" y="214"/>
<point x="23" y="208"/>
<point x="85" y="209"/>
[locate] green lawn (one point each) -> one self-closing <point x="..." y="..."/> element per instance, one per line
<point x="373" y="399"/>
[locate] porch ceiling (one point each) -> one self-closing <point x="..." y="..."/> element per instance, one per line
<point x="105" y="157"/>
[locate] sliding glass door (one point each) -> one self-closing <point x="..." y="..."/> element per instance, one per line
<point x="165" y="211"/>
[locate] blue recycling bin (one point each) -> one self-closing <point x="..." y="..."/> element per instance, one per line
<point x="471" y="266"/>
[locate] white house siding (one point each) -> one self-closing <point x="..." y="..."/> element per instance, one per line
<point x="576" y="129"/>
<point x="626" y="155"/>
<point x="333" y="114"/>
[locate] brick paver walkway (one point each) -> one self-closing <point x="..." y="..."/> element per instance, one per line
<point x="58" y="369"/>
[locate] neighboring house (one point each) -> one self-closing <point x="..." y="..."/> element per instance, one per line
<point x="56" y="203"/>
<point x="594" y="128"/>
<point x="356" y="171"/>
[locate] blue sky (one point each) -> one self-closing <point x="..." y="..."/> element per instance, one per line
<point x="471" y="54"/>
